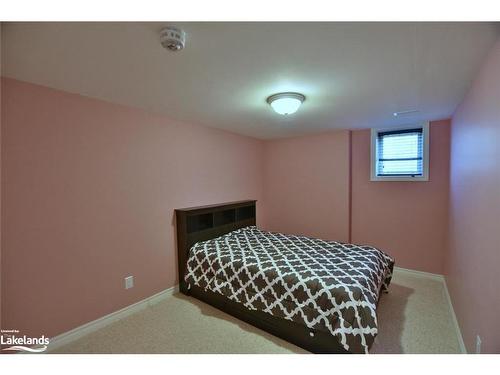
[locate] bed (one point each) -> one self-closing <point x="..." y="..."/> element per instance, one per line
<point x="320" y="295"/>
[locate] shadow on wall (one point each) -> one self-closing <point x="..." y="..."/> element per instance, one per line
<point x="391" y="320"/>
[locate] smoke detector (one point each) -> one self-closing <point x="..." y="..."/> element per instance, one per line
<point x="172" y="38"/>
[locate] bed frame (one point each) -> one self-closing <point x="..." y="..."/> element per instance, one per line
<point x="207" y="222"/>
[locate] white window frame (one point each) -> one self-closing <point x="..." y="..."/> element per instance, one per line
<point x="425" y="161"/>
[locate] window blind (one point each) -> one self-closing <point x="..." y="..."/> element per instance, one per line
<point x="400" y="153"/>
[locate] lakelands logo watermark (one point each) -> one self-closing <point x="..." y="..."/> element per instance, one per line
<point x="23" y="343"/>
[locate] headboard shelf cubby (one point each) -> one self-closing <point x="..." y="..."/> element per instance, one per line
<point x="225" y="217"/>
<point x="196" y="223"/>
<point x="246" y="212"/>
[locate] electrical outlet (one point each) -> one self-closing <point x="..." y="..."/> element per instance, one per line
<point x="129" y="282"/>
<point x="478" y="344"/>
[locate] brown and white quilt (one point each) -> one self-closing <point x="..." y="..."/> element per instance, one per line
<point x="326" y="285"/>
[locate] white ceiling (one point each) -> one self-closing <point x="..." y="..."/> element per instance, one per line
<point x="354" y="75"/>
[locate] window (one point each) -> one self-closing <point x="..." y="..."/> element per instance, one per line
<point x="400" y="154"/>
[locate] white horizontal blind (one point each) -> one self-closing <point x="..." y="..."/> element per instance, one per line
<point x="400" y="153"/>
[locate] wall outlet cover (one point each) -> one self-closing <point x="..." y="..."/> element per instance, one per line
<point x="478" y="344"/>
<point x="129" y="282"/>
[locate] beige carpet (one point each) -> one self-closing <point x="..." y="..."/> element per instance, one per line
<point x="414" y="317"/>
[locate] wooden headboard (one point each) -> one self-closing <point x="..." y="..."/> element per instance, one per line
<point x="195" y="224"/>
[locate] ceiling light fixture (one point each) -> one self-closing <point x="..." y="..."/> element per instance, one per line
<point x="286" y="103"/>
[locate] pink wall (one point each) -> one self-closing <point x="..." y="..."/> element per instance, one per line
<point x="409" y="220"/>
<point x="307" y="185"/>
<point x="473" y="261"/>
<point x="307" y="191"/>
<point x="89" y="190"/>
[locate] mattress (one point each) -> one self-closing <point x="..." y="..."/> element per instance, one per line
<point x="325" y="285"/>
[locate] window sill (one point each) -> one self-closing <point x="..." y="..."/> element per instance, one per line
<point x="400" y="178"/>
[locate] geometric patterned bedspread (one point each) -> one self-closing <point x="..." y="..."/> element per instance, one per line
<point x="325" y="285"/>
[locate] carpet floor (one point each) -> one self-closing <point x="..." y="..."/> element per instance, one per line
<point x="414" y="317"/>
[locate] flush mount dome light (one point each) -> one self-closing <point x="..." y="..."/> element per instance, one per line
<point x="286" y="103"/>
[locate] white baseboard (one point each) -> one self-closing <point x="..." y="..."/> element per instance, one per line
<point x="455" y="321"/>
<point x="78" y="332"/>
<point x="434" y="276"/>
<point x="441" y="278"/>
